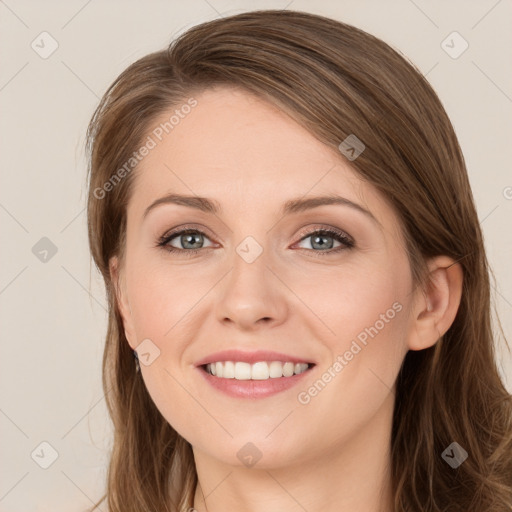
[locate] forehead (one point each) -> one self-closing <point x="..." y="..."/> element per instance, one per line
<point x="230" y="130"/>
<point x="243" y="151"/>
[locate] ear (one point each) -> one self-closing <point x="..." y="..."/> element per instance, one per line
<point x="435" y="310"/>
<point x="122" y="301"/>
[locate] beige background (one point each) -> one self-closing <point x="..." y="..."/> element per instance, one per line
<point x="53" y="313"/>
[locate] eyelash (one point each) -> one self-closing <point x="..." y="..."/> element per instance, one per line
<point x="338" y="235"/>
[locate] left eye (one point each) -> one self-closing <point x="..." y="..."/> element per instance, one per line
<point x="191" y="241"/>
<point x="318" y="240"/>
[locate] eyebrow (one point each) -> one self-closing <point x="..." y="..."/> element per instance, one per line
<point x="291" y="206"/>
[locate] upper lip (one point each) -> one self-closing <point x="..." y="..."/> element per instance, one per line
<point x="250" y="357"/>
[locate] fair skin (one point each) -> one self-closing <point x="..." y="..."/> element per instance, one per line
<point x="331" y="454"/>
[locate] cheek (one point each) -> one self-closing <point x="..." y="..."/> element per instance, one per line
<point x="355" y="301"/>
<point x="366" y="314"/>
<point x="162" y="299"/>
<point x="162" y="311"/>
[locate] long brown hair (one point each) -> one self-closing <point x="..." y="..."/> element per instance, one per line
<point x="335" y="80"/>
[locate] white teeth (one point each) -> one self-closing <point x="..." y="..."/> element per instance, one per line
<point x="242" y="371"/>
<point x="257" y="371"/>
<point x="228" y="371"/>
<point x="288" y="369"/>
<point x="275" y="369"/>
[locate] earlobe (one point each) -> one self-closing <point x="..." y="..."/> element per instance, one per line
<point x="436" y="308"/>
<point x="122" y="302"/>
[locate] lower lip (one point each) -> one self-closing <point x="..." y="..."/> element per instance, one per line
<point x="252" y="388"/>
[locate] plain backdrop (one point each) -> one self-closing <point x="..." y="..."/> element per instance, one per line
<point x="52" y="301"/>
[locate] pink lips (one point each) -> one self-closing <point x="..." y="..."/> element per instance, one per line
<point x="251" y="389"/>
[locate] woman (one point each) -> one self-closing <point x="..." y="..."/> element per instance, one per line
<point x="282" y="216"/>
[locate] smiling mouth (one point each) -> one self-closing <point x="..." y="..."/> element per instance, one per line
<point x="262" y="370"/>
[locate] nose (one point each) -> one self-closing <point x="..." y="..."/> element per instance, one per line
<point x="251" y="295"/>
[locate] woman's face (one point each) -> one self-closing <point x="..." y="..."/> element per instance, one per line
<point x="262" y="279"/>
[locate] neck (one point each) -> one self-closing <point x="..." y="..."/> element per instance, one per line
<point x="355" y="475"/>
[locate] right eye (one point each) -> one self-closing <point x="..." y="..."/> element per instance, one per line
<point x="189" y="239"/>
